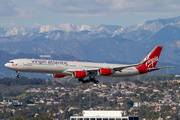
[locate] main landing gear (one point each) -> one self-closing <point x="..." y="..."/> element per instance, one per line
<point x="88" y="80"/>
<point x="18" y="74"/>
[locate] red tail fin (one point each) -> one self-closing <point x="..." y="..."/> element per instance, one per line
<point x="152" y="57"/>
<point x="150" y="60"/>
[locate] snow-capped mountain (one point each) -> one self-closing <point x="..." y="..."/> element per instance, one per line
<point x="146" y="29"/>
<point x="61" y="32"/>
<point x="141" y="32"/>
<point x="18" y="30"/>
<point x="65" y="27"/>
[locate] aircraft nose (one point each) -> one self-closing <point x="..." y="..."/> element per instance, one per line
<point x="7" y="65"/>
<point x="10" y="66"/>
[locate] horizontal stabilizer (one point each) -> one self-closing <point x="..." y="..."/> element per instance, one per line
<point x="157" y="68"/>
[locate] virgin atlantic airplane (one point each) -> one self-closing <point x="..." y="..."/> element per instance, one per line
<point x="80" y="70"/>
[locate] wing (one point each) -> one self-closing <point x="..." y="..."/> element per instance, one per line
<point x="124" y="66"/>
<point x="99" y="71"/>
<point x="88" y="70"/>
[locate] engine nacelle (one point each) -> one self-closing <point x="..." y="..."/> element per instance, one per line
<point x="58" y="75"/>
<point x="79" y="74"/>
<point x="104" y="71"/>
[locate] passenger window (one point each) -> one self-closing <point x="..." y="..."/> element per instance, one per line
<point x="124" y="119"/>
<point x="111" y="119"/>
<point x="118" y="118"/>
<point x="80" y="118"/>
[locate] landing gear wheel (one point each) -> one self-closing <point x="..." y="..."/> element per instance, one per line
<point x="96" y="82"/>
<point x="80" y="79"/>
<point x="18" y="76"/>
<point x="88" y="80"/>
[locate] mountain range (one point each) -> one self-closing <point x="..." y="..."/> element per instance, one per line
<point x="147" y="30"/>
<point x="104" y="43"/>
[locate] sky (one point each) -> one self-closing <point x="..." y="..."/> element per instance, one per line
<point x="36" y="13"/>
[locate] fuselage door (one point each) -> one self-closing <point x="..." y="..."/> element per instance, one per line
<point x="26" y="63"/>
<point x="20" y="63"/>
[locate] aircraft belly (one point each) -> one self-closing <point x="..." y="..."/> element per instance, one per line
<point x="126" y="72"/>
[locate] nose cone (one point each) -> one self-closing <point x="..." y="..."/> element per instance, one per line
<point x="8" y="65"/>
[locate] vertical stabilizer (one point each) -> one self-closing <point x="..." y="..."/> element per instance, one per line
<point x="150" y="60"/>
<point x="152" y="57"/>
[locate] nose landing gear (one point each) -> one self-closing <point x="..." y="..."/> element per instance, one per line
<point x="89" y="80"/>
<point x="18" y="74"/>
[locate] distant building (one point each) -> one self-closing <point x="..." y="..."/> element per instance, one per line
<point x="103" y="115"/>
<point x="177" y="75"/>
<point x="155" y="90"/>
<point x="136" y="104"/>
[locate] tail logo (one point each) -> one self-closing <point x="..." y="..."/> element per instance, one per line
<point x="150" y="62"/>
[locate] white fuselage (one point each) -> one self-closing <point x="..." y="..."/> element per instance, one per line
<point x="81" y="70"/>
<point x="63" y="67"/>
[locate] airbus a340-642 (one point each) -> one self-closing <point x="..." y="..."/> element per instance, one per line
<point x="90" y="70"/>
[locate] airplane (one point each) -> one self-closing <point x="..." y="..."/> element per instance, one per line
<point x="80" y="70"/>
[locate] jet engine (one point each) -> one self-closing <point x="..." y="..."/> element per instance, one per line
<point x="104" y="71"/>
<point x="58" y="75"/>
<point x="79" y="74"/>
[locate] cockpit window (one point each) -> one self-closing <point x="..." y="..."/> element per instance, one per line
<point x="10" y="62"/>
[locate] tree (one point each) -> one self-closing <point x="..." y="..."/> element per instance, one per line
<point x="151" y="115"/>
<point x="1" y="98"/>
<point x="137" y="82"/>
<point x="41" y="116"/>
<point x="143" y="97"/>
<point x="128" y="104"/>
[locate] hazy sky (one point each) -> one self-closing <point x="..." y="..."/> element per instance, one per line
<point x="34" y="13"/>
